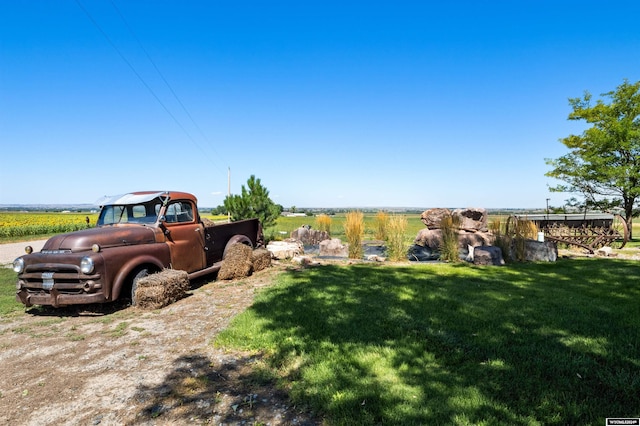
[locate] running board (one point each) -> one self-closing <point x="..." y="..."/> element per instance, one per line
<point x="206" y="271"/>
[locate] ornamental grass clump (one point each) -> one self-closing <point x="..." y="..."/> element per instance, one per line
<point x="395" y="237"/>
<point x="449" y="226"/>
<point x="521" y="230"/>
<point x="381" y="224"/>
<point x="354" y="231"/>
<point x="323" y="223"/>
<point x="502" y="239"/>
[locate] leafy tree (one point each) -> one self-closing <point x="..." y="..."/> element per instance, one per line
<point x="220" y="210"/>
<point x="603" y="163"/>
<point x="253" y="202"/>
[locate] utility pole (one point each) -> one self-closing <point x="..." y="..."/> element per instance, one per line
<point x="548" y="208"/>
<point x="228" y="191"/>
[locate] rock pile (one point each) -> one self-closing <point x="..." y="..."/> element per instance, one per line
<point x="287" y="249"/>
<point x="475" y="241"/>
<point x="334" y="248"/>
<point x="472" y="232"/>
<point x="537" y="251"/>
<point x="309" y="236"/>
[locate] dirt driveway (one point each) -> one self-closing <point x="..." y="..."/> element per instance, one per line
<point x="8" y="252"/>
<point x="119" y="365"/>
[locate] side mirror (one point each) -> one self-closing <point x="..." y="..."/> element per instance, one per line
<point x="162" y="219"/>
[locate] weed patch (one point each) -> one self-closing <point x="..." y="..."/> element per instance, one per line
<point x="119" y="330"/>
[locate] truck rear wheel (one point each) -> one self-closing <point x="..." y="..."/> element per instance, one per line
<point x="236" y="239"/>
<point x="143" y="272"/>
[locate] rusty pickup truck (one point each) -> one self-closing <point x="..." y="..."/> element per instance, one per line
<point x="136" y="234"/>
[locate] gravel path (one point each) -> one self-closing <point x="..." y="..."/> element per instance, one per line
<point x="116" y="365"/>
<point x="8" y="252"/>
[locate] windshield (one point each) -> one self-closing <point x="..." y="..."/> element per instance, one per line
<point x="130" y="213"/>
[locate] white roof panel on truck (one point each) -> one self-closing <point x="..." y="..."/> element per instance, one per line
<point x="128" y="198"/>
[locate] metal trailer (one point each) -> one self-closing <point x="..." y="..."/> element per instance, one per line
<point x="590" y="231"/>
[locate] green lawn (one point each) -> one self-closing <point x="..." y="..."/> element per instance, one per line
<point x="8" y="303"/>
<point x="555" y="343"/>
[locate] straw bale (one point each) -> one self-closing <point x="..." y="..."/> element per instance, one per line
<point x="161" y="289"/>
<point x="261" y="259"/>
<point x="237" y="263"/>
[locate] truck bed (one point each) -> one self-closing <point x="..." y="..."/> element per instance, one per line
<point x="218" y="235"/>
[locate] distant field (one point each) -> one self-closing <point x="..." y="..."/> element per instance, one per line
<point x="15" y="225"/>
<point x="285" y="225"/>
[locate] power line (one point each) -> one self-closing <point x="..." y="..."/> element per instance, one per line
<point x="175" y="95"/>
<point x="123" y="57"/>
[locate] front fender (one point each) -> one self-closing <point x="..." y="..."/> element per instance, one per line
<point x="121" y="279"/>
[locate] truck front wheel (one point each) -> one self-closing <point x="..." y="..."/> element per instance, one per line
<point x="142" y="272"/>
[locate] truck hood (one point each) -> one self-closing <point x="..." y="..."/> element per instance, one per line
<point x="108" y="236"/>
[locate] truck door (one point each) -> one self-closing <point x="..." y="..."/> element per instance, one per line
<point x="185" y="237"/>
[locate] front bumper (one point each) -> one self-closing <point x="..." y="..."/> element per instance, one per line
<point x="57" y="299"/>
<point x="58" y="287"/>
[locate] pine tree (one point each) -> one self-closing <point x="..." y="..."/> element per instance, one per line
<point x="253" y="202"/>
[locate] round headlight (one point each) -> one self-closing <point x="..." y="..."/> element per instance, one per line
<point x="86" y="265"/>
<point x="18" y="265"/>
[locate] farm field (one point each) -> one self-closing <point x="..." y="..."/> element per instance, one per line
<point x="18" y="226"/>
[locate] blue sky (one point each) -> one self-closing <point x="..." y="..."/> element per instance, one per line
<point x="330" y="104"/>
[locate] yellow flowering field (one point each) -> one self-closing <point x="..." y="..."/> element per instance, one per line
<point x="21" y="224"/>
